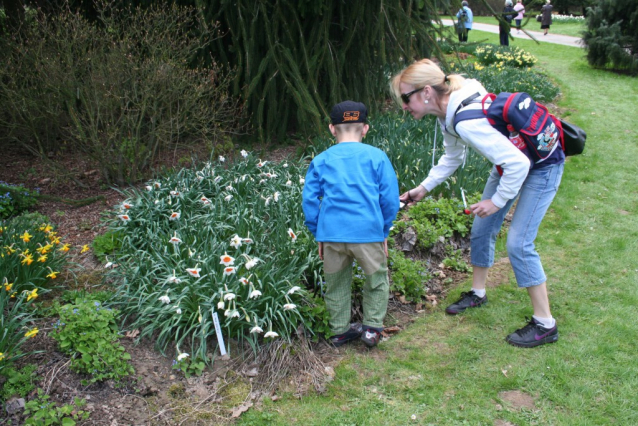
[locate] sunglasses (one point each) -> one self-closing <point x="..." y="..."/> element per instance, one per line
<point x="405" y="97"/>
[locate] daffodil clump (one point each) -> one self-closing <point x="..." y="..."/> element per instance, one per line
<point x="225" y="240"/>
<point x="505" y="56"/>
<point x="15" y="322"/>
<point x="32" y="253"/>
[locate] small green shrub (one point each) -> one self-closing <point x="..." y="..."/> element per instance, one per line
<point x="455" y="260"/>
<point x="187" y="366"/>
<point x="106" y="244"/>
<point x="15" y="199"/>
<point x="408" y="276"/>
<point x="87" y="331"/>
<point x="19" y="381"/>
<point x="41" y="412"/>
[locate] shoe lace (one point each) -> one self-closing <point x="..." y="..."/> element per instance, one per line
<point x="467" y="294"/>
<point x="531" y="325"/>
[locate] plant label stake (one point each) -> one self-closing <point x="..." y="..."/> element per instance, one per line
<point x="466" y="211"/>
<point x="218" y="331"/>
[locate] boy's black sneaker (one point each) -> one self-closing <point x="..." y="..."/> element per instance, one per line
<point x="371" y="337"/>
<point x="353" y="333"/>
<point x="468" y="299"/>
<point x="533" y="334"/>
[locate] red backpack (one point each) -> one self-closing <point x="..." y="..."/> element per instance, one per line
<point x="539" y="132"/>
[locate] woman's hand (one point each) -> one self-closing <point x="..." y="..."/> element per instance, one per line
<point x="414" y="195"/>
<point x="484" y="208"/>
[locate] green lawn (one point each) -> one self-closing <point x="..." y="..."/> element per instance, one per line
<point x="573" y="29"/>
<point x="458" y="370"/>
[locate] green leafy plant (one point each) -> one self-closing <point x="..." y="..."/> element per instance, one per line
<point x="15" y="319"/>
<point x="88" y="332"/>
<point x="15" y="199"/>
<point x="106" y="244"/>
<point x="19" y="381"/>
<point x="187" y="366"/>
<point x="41" y="412"/>
<point x="454" y="260"/>
<point x="408" y="276"/>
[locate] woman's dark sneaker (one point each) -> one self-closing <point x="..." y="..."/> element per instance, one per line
<point x="533" y="334"/>
<point x="468" y="299"/>
<point x="354" y="332"/>
<point x="371" y="336"/>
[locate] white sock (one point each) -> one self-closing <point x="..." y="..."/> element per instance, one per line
<point x="545" y="322"/>
<point x="479" y="293"/>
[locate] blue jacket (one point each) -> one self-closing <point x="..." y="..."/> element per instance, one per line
<point x="351" y="194"/>
<point x="470" y="17"/>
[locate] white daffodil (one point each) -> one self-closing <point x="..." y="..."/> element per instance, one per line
<point x="193" y="272"/>
<point x="157" y="185"/>
<point x="165" y="299"/>
<point x="229" y="270"/>
<point x="250" y="261"/>
<point x="124" y="217"/>
<point x="261" y="164"/>
<point x="262" y="181"/>
<point x="230" y="188"/>
<point x="204" y="200"/>
<point x="174" y="193"/>
<point x="182" y="356"/>
<point x="247" y="240"/>
<point x="174" y="216"/>
<point x="254" y="294"/>
<point x="292" y="235"/>
<point x="173" y="279"/>
<point x="217" y="179"/>
<point x="221" y="158"/>
<point x="232" y="313"/>
<point x="289" y="306"/>
<point x="126" y="205"/>
<point x="108" y="265"/>
<point x="229" y="296"/>
<point x="288" y="183"/>
<point x="244" y="281"/>
<point x="236" y="241"/>
<point x="302" y="180"/>
<point x="226" y="260"/>
<point x="178" y="310"/>
<point x="276" y="196"/>
<point x="285" y="165"/>
<point x="294" y="289"/>
<point x="267" y="200"/>
<point x="175" y="239"/>
<point x="228" y="197"/>
<point x="148" y="187"/>
<point x="243" y="153"/>
<point x="271" y="334"/>
<point x="220" y="305"/>
<point x="256" y="329"/>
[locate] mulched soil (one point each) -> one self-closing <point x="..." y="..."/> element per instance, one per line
<point x="156" y="394"/>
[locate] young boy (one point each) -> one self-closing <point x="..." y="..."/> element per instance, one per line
<point x="350" y="199"/>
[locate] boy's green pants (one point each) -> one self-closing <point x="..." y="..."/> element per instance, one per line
<point x="337" y="265"/>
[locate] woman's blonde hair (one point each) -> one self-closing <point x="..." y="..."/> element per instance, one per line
<point x="425" y="73"/>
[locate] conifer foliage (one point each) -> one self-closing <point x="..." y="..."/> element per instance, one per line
<point x="294" y="58"/>
<point x="611" y="37"/>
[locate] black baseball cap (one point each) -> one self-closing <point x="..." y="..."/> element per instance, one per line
<point x="348" y="112"/>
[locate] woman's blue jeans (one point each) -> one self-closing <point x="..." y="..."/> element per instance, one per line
<point x="534" y="199"/>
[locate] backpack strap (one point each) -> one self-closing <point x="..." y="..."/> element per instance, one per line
<point x="471" y="114"/>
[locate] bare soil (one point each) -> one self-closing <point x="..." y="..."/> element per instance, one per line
<point x="156" y="394"/>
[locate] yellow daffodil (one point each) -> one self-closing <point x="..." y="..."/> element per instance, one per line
<point x="65" y="248"/>
<point x="10" y="250"/>
<point x="31" y="333"/>
<point x="46" y="228"/>
<point x="85" y="248"/>
<point x="54" y="239"/>
<point x="42" y="258"/>
<point x="28" y="259"/>
<point x="33" y="294"/>
<point x="1" y="356"/>
<point x="7" y="284"/>
<point x="53" y="275"/>
<point x="26" y="237"/>
<point x="44" y="249"/>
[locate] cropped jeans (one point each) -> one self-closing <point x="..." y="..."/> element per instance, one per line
<point x="534" y="199"/>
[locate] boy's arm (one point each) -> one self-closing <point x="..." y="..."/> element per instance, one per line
<point x="311" y="201"/>
<point x="388" y="194"/>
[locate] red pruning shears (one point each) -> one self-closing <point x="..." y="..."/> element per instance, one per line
<point x="466" y="211"/>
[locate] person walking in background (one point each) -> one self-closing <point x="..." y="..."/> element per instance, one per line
<point x="423" y="89"/>
<point x="521" y="14"/>
<point x="464" y="21"/>
<point x="350" y="199"/>
<point x="504" y="27"/>
<point x="546" y="16"/>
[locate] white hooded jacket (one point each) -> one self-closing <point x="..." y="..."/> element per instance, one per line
<point x="485" y="139"/>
